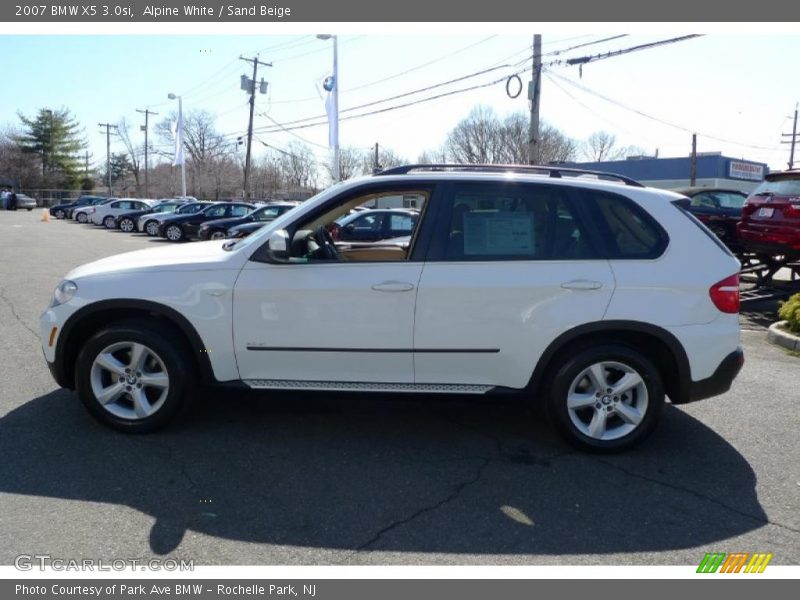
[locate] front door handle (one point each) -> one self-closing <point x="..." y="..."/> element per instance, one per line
<point x="393" y="286"/>
<point x="581" y="284"/>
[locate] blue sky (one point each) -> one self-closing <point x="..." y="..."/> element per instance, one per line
<point x="733" y="89"/>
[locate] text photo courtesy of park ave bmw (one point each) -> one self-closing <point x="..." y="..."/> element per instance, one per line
<point x="504" y="300"/>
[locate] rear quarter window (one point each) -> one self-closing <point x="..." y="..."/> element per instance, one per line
<point x="628" y="230"/>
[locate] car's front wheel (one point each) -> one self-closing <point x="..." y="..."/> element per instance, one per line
<point x="109" y="222"/>
<point x="605" y="398"/>
<point x="132" y="377"/>
<point x="174" y="233"/>
<point x="58" y="214"/>
<point x="151" y="228"/>
<point x="217" y="234"/>
<point x="82" y="218"/>
<point x="127" y="225"/>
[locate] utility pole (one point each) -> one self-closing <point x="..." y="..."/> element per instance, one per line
<point x="693" y="177"/>
<point x="793" y="135"/>
<point x="108" y="127"/>
<point x="534" y="91"/>
<point x="377" y="166"/>
<point x="251" y="89"/>
<point x="144" y="128"/>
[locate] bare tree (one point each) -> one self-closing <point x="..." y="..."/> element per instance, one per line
<point x="387" y="158"/>
<point x="350" y="163"/>
<point x="299" y="167"/>
<point x="602" y="146"/>
<point x="21" y="167"/>
<point x="429" y="157"/>
<point x="133" y="151"/>
<point x="484" y="138"/>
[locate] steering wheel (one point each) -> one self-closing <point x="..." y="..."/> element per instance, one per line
<point x="327" y="246"/>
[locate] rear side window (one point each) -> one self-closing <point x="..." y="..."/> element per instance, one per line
<point x="629" y="231"/>
<point x="512" y="222"/>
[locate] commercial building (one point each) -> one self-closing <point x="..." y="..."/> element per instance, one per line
<point x="712" y="170"/>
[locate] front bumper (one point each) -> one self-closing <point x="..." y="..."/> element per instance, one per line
<point x="721" y="380"/>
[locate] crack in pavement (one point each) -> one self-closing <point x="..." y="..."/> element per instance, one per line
<point x="697" y="494"/>
<point x="15" y="315"/>
<point x="457" y="490"/>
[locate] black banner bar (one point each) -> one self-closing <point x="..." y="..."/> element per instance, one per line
<point x="304" y="11"/>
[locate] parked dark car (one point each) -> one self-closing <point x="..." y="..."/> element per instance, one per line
<point x="241" y="231"/>
<point x="375" y="224"/>
<point x="64" y="211"/>
<point x="182" y="227"/>
<point x="770" y="224"/>
<point x="719" y="209"/>
<point x="127" y="222"/>
<point x="218" y="229"/>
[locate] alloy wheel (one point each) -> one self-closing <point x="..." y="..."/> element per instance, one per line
<point x="129" y="380"/>
<point x="151" y="228"/>
<point x="126" y="225"/>
<point x="607" y="401"/>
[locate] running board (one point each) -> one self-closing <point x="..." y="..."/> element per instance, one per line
<point x="357" y="386"/>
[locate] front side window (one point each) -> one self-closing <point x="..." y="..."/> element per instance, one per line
<point x="240" y="211"/>
<point x="512" y="222"/>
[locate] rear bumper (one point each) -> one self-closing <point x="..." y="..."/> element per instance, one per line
<point x="721" y="380"/>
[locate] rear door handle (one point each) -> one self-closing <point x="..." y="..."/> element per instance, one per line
<point x="581" y="284"/>
<point x="393" y="286"/>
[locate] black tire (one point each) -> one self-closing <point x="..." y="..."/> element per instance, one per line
<point x="172" y="354"/>
<point x="109" y="223"/>
<point x="151" y="228"/>
<point x="216" y="234"/>
<point x="30" y="209"/>
<point x="59" y="214"/>
<point x="174" y="233"/>
<point x="648" y="396"/>
<point x="127" y="225"/>
<point x="82" y="218"/>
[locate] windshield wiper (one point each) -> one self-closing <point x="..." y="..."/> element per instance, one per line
<point x="229" y="245"/>
<point x="764" y="194"/>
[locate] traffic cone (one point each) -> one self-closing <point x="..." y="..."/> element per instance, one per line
<point x="45" y="215"/>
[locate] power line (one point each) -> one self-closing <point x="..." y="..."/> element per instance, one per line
<point x="653" y="118"/>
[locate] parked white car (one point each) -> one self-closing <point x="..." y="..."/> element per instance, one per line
<point x="105" y="214"/>
<point x="81" y="214"/>
<point x="585" y="295"/>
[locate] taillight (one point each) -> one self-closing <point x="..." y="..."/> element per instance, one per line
<point x="725" y="294"/>
<point x="748" y="208"/>
<point x="792" y="209"/>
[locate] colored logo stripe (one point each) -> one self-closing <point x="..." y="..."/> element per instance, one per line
<point x="734" y="563"/>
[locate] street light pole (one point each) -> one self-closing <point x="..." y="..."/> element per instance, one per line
<point x="179" y="133"/>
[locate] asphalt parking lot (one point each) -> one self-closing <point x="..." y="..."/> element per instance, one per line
<point x="332" y="479"/>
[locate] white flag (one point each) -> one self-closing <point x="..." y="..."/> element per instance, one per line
<point x="332" y="109"/>
<point x="179" y="155"/>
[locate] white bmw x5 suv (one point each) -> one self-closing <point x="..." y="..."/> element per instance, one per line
<point x="592" y="295"/>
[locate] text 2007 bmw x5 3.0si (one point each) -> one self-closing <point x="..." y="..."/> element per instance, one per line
<point x="593" y="295"/>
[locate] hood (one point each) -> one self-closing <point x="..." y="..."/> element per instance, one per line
<point x="199" y="256"/>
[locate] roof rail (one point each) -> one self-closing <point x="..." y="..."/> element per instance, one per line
<point x="551" y="171"/>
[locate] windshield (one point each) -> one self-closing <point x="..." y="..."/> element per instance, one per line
<point x="779" y="187"/>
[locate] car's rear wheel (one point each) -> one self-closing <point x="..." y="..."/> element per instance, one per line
<point x="605" y="398"/>
<point x="127" y="225"/>
<point x="174" y="233"/>
<point x="58" y="214"/>
<point x="151" y="228"/>
<point x="109" y="222"/>
<point x="82" y="218"/>
<point x="30" y="209"/>
<point x="132" y="377"/>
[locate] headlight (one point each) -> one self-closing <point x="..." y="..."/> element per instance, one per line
<point x="65" y="291"/>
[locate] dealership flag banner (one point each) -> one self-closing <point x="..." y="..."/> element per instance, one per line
<point x="332" y="109"/>
<point x="179" y="154"/>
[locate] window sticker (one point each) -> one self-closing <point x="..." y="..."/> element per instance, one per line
<point x="498" y="233"/>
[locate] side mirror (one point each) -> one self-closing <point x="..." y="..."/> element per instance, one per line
<point x="279" y="246"/>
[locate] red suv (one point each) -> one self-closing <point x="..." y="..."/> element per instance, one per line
<point x="771" y="216"/>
